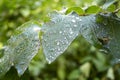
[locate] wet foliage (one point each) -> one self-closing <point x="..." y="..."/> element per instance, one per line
<point x="78" y="32"/>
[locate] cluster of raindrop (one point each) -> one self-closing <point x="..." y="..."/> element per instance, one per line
<point x="58" y="36"/>
<point x="27" y="48"/>
<point x="21" y="49"/>
<point x="5" y="61"/>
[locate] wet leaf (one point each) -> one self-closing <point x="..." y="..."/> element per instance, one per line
<point x="21" y="48"/>
<point x="78" y="10"/>
<point x="92" y="9"/>
<point x="86" y="29"/>
<point x="109" y="33"/>
<point x="100" y="30"/>
<point x="58" y="34"/>
<point x="25" y="45"/>
<point x="62" y="30"/>
<point x="5" y="60"/>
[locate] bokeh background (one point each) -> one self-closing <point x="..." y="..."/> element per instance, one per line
<point x="80" y="61"/>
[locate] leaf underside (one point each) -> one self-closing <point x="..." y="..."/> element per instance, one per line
<point x="63" y="29"/>
<point x="58" y="34"/>
<point x="21" y="48"/>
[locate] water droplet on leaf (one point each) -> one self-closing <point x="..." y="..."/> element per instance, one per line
<point x="80" y="19"/>
<point x="77" y="18"/>
<point x="73" y="21"/>
<point x="71" y="31"/>
<point x="66" y="31"/>
<point x="60" y="32"/>
<point x="75" y="25"/>
<point x="58" y="43"/>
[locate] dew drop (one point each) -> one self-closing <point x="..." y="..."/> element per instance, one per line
<point x="51" y="50"/>
<point x="36" y="28"/>
<point x="64" y="31"/>
<point x="55" y="54"/>
<point x="58" y="49"/>
<point x="51" y="57"/>
<point x="60" y="32"/>
<point x="65" y="39"/>
<point x="49" y="61"/>
<point x="63" y="42"/>
<point x="73" y="21"/>
<point x="71" y="32"/>
<point x="75" y="25"/>
<point x="77" y="18"/>
<point x="80" y="19"/>
<point x="58" y="43"/>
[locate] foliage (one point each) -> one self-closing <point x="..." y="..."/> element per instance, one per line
<point x="97" y="25"/>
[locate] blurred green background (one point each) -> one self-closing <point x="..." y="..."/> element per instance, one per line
<point x="80" y="61"/>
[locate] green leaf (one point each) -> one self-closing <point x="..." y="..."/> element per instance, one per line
<point x="58" y="34"/>
<point x="62" y="30"/>
<point x="78" y="10"/>
<point x="109" y="33"/>
<point x="111" y="8"/>
<point x="110" y="73"/>
<point x="25" y="45"/>
<point x="100" y="62"/>
<point x="87" y="29"/>
<point x="92" y="9"/>
<point x="100" y="30"/>
<point x="5" y="60"/>
<point x="75" y="74"/>
<point x="103" y="29"/>
<point x="85" y="69"/>
<point x="21" y="48"/>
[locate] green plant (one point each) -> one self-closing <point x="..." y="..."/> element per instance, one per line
<point x="100" y="28"/>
